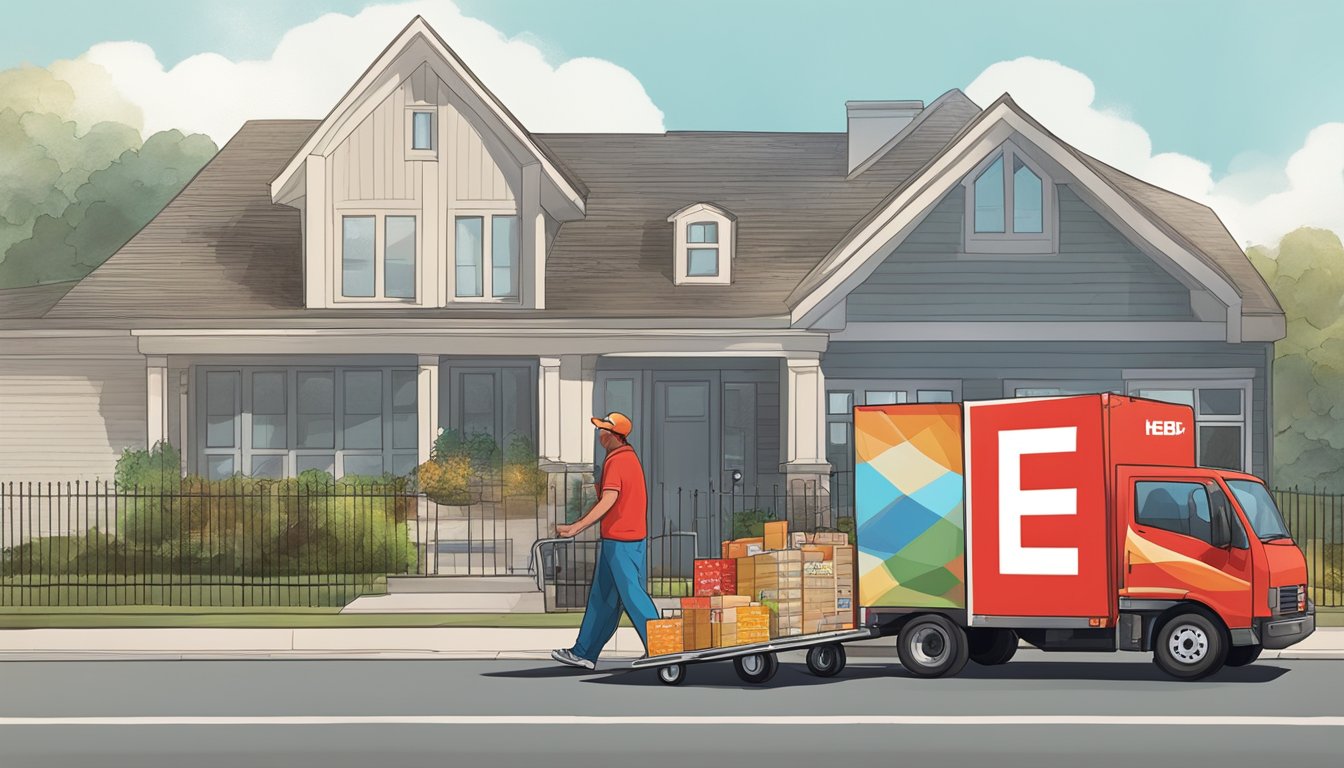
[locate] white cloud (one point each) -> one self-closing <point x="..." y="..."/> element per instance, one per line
<point x="1259" y="201"/>
<point x="314" y="64"/>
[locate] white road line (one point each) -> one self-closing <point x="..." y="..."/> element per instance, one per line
<point x="708" y="720"/>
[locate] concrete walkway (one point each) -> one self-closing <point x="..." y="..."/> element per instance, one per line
<point x="411" y="642"/>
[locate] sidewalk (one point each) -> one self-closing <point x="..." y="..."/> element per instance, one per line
<point x="398" y="643"/>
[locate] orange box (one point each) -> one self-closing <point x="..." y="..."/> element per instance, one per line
<point x="693" y="603"/>
<point x="695" y="629"/>
<point x="665" y="636"/>
<point x="718" y="602"/>
<point x="827" y="550"/>
<point x="777" y="534"/>
<point x="723" y="548"/>
<point x="745" y="547"/>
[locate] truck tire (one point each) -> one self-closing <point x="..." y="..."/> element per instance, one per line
<point x="1190" y="646"/>
<point x="932" y="646"/>
<point x="826" y="660"/>
<point x="756" y="668"/>
<point x="1241" y="655"/>
<point x="991" y="647"/>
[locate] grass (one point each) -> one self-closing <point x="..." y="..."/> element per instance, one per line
<point x="242" y="592"/>
<point x="147" y="617"/>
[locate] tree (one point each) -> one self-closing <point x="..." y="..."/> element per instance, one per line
<point x="1306" y="272"/>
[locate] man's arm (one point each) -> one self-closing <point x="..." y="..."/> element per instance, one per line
<point x="601" y="508"/>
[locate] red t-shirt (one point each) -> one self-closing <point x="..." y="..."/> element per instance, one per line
<point x="628" y="520"/>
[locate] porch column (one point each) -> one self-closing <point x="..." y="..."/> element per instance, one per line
<point x="804" y="417"/>
<point x="548" y="409"/>
<point x="565" y="403"/>
<point x="427" y="405"/>
<point x="157" y="400"/>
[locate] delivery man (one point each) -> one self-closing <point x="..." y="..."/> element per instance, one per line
<point x="621" y="570"/>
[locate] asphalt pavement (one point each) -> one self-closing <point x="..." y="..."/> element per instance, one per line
<point x="1039" y="710"/>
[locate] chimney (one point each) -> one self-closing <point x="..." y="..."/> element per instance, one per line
<point x="873" y="123"/>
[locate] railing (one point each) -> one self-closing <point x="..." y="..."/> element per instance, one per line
<point x="1316" y="522"/>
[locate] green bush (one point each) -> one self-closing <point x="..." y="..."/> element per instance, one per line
<point x="750" y="523"/>
<point x="143" y="477"/>
<point x="578" y="500"/>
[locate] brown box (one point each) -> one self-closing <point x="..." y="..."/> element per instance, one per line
<point x="665" y="636"/>
<point x="738" y="548"/>
<point x="777" y="534"/>
<point x="696" y="634"/>
<point x="843" y="553"/>
<point x="834" y="538"/>
<point x="719" y="602"/>
<point x="827" y="551"/>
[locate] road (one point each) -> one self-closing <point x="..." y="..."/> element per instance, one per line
<point x="1062" y="710"/>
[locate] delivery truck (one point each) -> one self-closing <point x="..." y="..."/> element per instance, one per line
<point x="1077" y="523"/>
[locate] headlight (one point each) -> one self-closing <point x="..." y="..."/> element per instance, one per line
<point x="1301" y="598"/>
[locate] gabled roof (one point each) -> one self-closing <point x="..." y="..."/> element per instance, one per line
<point x="351" y="103"/>
<point x="32" y="301"/>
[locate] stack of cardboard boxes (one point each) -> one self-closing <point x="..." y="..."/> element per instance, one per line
<point x="764" y="587"/>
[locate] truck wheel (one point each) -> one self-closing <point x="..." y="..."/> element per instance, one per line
<point x="826" y="660"/>
<point x="672" y="674"/>
<point x="756" y="668"/>
<point x="991" y="647"/>
<point x="1241" y="655"/>
<point x="932" y="646"/>
<point x="1190" y="646"/>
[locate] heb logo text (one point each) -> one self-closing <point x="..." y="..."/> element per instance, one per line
<point x="1155" y="427"/>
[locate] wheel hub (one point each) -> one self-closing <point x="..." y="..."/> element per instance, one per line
<point x="753" y="664"/>
<point x="929" y="646"/>
<point x="1188" y="644"/>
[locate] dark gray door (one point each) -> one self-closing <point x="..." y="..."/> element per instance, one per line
<point x="685" y="459"/>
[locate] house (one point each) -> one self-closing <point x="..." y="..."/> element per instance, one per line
<point x="328" y="294"/>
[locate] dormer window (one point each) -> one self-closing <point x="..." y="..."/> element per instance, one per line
<point x="420" y="127"/>
<point x="1009" y="205"/>
<point x="703" y="244"/>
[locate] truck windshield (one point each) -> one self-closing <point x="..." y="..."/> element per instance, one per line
<point x="1260" y="509"/>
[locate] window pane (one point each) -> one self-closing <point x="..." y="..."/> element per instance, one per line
<point x="739" y="423"/>
<point x="518" y="401"/>
<point x="1220" y="446"/>
<point x="316" y="405"/>
<point x="268" y="410"/>
<point x="218" y="467"/>
<point x="362" y="465"/>
<point x="702" y="232"/>
<point x="690" y="401"/>
<point x="504" y="256"/>
<point x="1178" y="396"/>
<point x="1220" y="402"/>
<point x="478" y="404"/>
<point x="403" y="464"/>
<point x="399" y="257"/>
<point x="357" y="256"/>
<point x="1036" y="392"/>
<point x="221" y="409"/>
<point x="469" y="249"/>
<point x="619" y="395"/>
<point x="405" y="422"/>
<point x="268" y="466"/>
<point x="989" y="198"/>
<point x="1028" y="199"/>
<point x="422" y="130"/>
<point x="363" y="401"/>
<point x="839" y="433"/>
<point x="883" y="397"/>
<point x="324" y="462"/>
<point x="934" y="396"/>
<point x="702" y="262"/>
<point x="1177" y="507"/>
<point x="839" y="403"/>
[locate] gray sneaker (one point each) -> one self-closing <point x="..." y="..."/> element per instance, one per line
<point x="568" y="658"/>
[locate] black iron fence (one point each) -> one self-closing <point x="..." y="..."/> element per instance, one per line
<point x="1316" y="521"/>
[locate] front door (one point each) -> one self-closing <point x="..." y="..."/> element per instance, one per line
<point x="685" y="451"/>
<point x="1169" y="550"/>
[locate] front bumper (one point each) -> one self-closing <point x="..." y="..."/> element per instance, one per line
<point x="1283" y="631"/>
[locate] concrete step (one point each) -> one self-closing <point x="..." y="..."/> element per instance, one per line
<point x="460" y="584"/>
<point x="450" y="602"/>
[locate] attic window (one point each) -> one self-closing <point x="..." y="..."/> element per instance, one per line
<point x="1009" y="212"/>
<point x="420" y="128"/>
<point x="703" y="247"/>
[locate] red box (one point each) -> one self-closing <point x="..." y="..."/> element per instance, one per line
<point x="694" y="603"/>
<point x="715" y="577"/>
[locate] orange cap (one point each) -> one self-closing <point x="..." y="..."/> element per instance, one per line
<point x="615" y="422"/>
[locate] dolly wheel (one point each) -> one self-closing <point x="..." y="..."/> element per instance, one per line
<point x="826" y="660"/>
<point x="672" y="674"/>
<point x="756" y="668"/>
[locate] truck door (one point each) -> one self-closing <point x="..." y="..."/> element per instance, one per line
<point x="1171" y="550"/>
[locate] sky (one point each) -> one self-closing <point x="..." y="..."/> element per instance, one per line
<point x="1228" y="102"/>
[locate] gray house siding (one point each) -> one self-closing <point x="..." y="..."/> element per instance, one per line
<point x="984" y="368"/>
<point x="1097" y="275"/>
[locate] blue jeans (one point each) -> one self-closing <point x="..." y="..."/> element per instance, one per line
<point x="618" y="583"/>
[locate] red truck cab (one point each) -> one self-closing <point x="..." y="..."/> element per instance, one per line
<point x="1073" y="523"/>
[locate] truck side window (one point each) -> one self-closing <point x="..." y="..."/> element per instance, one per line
<point x="1175" y="506"/>
<point x="1238" y="532"/>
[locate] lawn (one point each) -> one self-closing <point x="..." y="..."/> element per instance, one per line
<point x="285" y="618"/>
<point x="245" y="592"/>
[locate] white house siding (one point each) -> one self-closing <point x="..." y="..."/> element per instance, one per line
<point x="69" y="407"/>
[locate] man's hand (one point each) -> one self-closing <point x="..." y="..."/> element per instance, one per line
<point x="566" y="531"/>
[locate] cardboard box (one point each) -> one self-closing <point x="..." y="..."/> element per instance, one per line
<point x="777" y="534"/>
<point x="715" y="577"/>
<point x="720" y="602"/>
<point x="827" y="551"/>
<point x="833" y="538"/>
<point x="738" y="548"/>
<point x="696" y="634"/>
<point x="723" y="549"/>
<point x="822" y="568"/>
<point x="665" y="636"/>
<point x="694" y="603"/>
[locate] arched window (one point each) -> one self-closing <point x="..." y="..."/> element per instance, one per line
<point x="1009" y="205"/>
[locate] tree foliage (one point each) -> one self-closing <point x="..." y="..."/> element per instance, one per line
<point x="72" y="190"/>
<point x="1306" y="272"/>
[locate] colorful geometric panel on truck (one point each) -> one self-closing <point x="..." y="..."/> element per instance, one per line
<point x="908" y="496"/>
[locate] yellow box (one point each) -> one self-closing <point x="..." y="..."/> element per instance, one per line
<point x="777" y="534"/>
<point x="665" y="636"/>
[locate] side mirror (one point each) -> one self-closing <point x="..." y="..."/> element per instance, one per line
<point x="1221" y="519"/>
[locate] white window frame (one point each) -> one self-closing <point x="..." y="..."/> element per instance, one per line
<point x="703" y="213"/>
<point x="379" y="216"/>
<point x="1008" y="241"/>
<point x="1204" y="381"/>
<point x="1010" y="386"/>
<point x="487" y="216"/>
<point x="435" y="139"/>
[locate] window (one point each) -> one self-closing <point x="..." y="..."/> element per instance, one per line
<point x="476" y="276"/>
<point x="363" y="408"/>
<point x="422" y="130"/>
<point x="378" y="257"/>
<point x="1178" y="507"/>
<point x="1221" y="423"/>
<point x="703" y="235"/>
<point x="1014" y="388"/>
<point x="1009" y="204"/>
<point x="739" y="427"/>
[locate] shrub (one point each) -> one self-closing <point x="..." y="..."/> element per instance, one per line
<point x="522" y="475"/>
<point x="578" y="500"/>
<point x="750" y="523"/>
<point x="144" y="515"/>
<point x="446" y="480"/>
